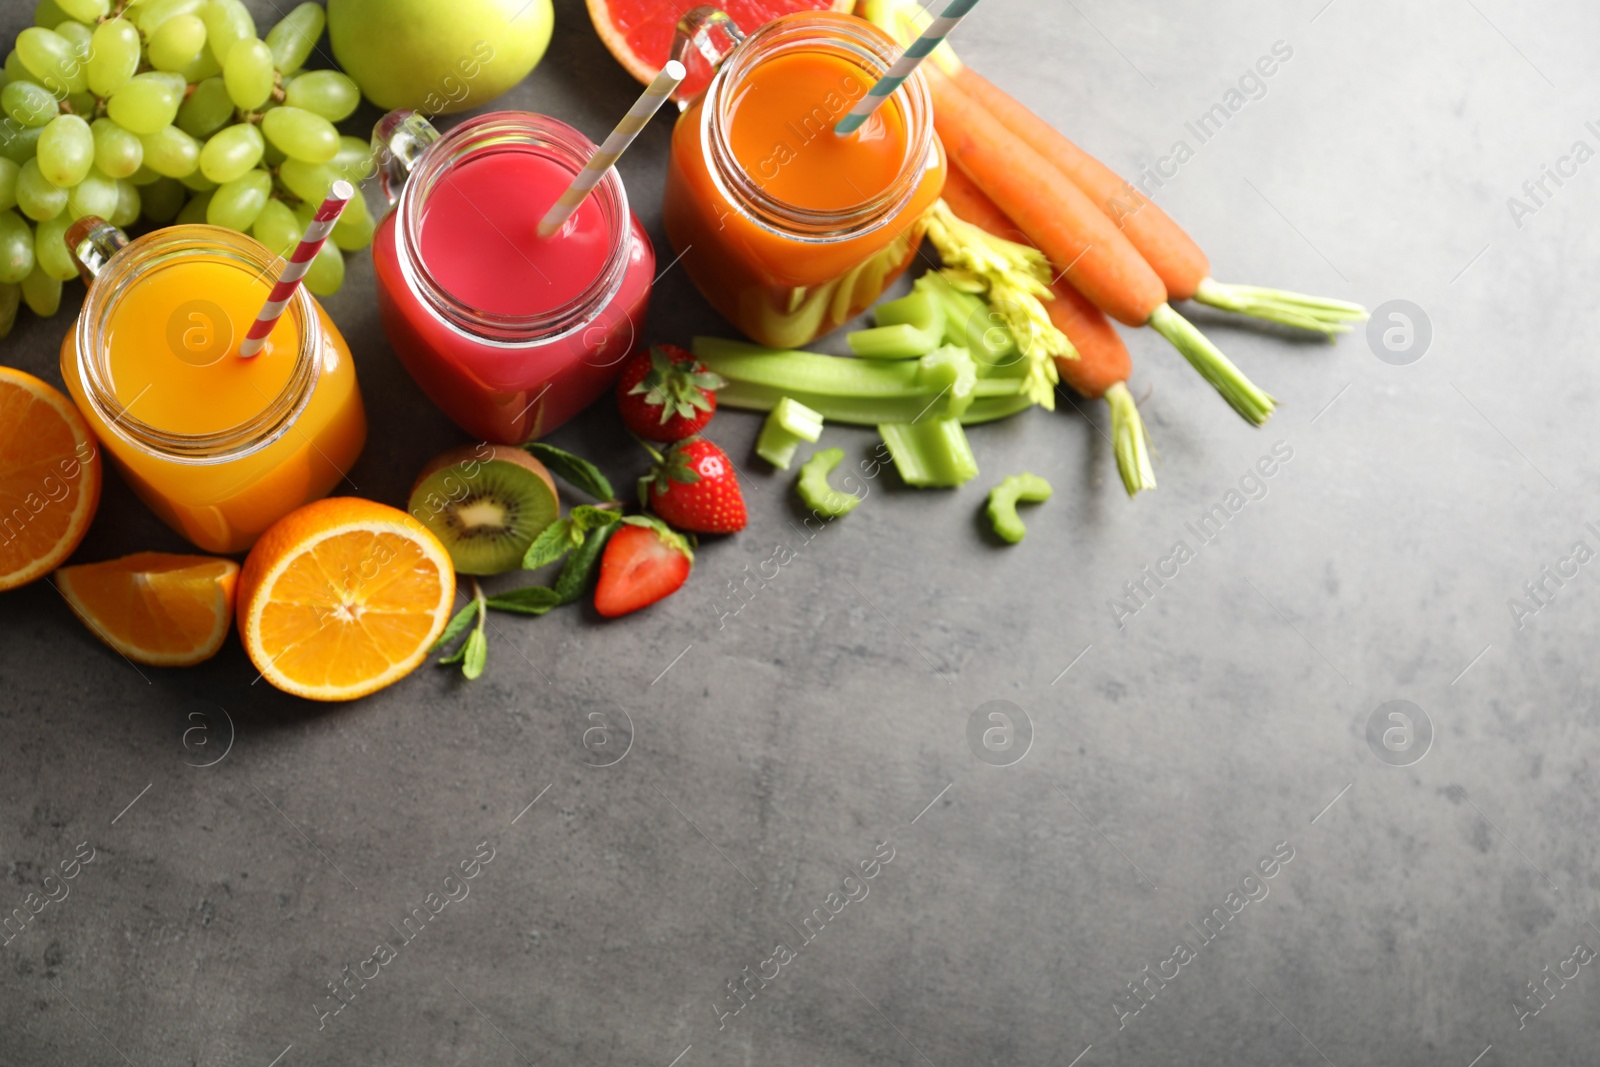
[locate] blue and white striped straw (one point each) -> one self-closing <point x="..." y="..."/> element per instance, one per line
<point x="937" y="31"/>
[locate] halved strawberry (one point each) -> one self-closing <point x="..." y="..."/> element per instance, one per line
<point x="644" y="562"/>
<point x="665" y="394"/>
<point x="694" y="487"/>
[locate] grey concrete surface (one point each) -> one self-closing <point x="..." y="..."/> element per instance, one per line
<point x="774" y="751"/>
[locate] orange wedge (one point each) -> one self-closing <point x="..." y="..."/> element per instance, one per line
<point x="154" y="607"/>
<point x="49" y="478"/>
<point x="343" y="597"/>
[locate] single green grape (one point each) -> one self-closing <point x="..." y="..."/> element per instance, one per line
<point x="51" y="60"/>
<point x="194" y="212"/>
<point x="309" y="181"/>
<point x="354" y="163"/>
<point x="66" y="151"/>
<point x="16" y="248"/>
<point x="145" y="105"/>
<point x="47" y="13"/>
<point x="326" y="275"/>
<point x="228" y="155"/>
<point x="79" y="36"/>
<point x="15" y="71"/>
<point x="179" y="85"/>
<point x="324" y="92"/>
<point x="177" y="43"/>
<point x="113" y="56"/>
<point x="129" y="205"/>
<point x="304" y="136"/>
<point x="227" y="23"/>
<point x="295" y="35"/>
<point x="355" y="227"/>
<point x="8" y="183"/>
<point x="38" y="199"/>
<point x="208" y="109"/>
<point x="10" y="301"/>
<point x="202" y="66"/>
<point x="19" y="145"/>
<point x="162" y="199"/>
<point x="238" y="204"/>
<point x="198" y="182"/>
<point x="29" y="103"/>
<point x="117" y="152"/>
<point x="41" y="293"/>
<point x="277" y="228"/>
<point x="95" y="195"/>
<point x="171" y="153"/>
<point x="248" y="74"/>
<point x="50" y="249"/>
<point x="87" y="11"/>
<point x="150" y="16"/>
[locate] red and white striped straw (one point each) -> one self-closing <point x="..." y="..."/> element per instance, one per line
<point x="299" y="263"/>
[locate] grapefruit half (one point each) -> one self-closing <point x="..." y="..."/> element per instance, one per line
<point x="639" y="32"/>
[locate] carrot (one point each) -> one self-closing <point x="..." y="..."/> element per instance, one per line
<point x="1080" y="241"/>
<point x="1163" y="243"/>
<point x="1053" y="212"/>
<point x="1103" y="365"/>
<point x="1173" y="254"/>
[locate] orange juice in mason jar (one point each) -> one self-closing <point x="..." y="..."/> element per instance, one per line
<point x="218" y="446"/>
<point x="788" y="228"/>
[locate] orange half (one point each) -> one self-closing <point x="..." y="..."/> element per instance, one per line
<point x="343" y="597"/>
<point x="49" y="478"/>
<point x="153" y="607"/>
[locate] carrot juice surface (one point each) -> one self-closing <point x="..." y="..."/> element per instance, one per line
<point x="169" y="367"/>
<point x="781" y="132"/>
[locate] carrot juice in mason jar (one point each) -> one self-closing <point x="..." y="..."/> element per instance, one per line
<point x="220" y="447"/>
<point x="788" y="228"/>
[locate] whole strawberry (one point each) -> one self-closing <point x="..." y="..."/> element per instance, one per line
<point x="694" y="487"/>
<point x="665" y="394"/>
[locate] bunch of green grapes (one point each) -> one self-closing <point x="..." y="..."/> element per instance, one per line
<point x="172" y="111"/>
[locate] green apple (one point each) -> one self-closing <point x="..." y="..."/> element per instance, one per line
<point x="438" y="56"/>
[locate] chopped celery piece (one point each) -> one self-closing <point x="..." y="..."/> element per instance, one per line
<point x="814" y="489"/>
<point x="900" y="341"/>
<point x="933" y="453"/>
<point x="968" y="322"/>
<point x="1003" y="498"/>
<point x="950" y="374"/>
<point x="790" y="423"/>
<point x="909" y="327"/>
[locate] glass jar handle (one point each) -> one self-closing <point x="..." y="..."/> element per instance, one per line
<point x="93" y="241"/>
<point x="711" y="31"/>
<point x="398" y="141"/>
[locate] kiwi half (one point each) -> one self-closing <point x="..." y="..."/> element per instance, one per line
<point x="486" y="504"/>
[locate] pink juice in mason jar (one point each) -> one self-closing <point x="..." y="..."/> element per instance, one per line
<point x="510" y="334"/>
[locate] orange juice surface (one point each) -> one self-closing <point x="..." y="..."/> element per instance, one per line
<point x="842" y="215"/>
<point x="170" y="359"/>
<point x="783" y="114"/>
<point x="175" y="367"/>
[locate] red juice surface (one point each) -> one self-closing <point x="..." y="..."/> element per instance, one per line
<point x="480" y="235"/>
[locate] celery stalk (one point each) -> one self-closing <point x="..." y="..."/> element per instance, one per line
<point x="933" y="453"/>
<point x="899" y="341"/>
<point x="970" y="323"/>
<point x="952" y="376"/>
<point x="790" y="423"/>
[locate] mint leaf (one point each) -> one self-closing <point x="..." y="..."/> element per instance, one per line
<point x="581" y="565"/>
<point x="587" y="518"/>
<point x="554" y="542"/>
<point x="477" y="655"/>
<point x="529" y="600"/>
<point x="577" y="471"/>
<point x="456" y="626"/>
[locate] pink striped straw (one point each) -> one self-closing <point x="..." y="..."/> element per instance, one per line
<point x="299" y="263"/>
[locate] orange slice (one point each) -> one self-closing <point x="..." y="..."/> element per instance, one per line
<point x="49" y="478"/>
<point x="154" y="607"/>
<point x="639" y="32"/>
<point x="343" y="597"/>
